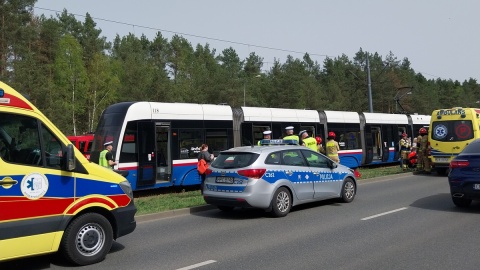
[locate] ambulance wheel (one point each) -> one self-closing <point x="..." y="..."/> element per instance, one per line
<point x="87" y="240"/>
<point x="348" y="191"/>
<point x="281" y="202"/>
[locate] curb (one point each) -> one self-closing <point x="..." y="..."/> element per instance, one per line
<point x="196" y="209"/>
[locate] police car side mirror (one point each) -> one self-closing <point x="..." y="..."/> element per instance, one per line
<point x="70" y="158"/>
<point x="332" y="165"/>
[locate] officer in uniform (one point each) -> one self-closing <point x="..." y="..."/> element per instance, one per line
<point x="422" y="151"/>
<point x="290" y="135"/>
<point x="332" y="147"/>
<point x="308" y="141"/>
<point x="267" y="135"/>
<point x="106" y="156"/>
<point x="404" y="151"/>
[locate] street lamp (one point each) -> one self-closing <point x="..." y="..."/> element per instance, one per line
<point x="399" y="95"/>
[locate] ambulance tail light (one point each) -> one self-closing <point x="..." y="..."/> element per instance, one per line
<point x="459" y="164"/>
<point x="252" y="173"/>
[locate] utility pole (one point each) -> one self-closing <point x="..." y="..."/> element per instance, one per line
<point x="369" y="81"/>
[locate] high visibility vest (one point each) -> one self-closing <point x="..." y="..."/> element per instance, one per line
<point x="311" y="143"/>
<point x="332" y="150"/>
<point x="292" y="137"/>
<point x="102" y="161"/>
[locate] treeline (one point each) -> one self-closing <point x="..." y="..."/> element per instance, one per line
<point x="71" y="72"/>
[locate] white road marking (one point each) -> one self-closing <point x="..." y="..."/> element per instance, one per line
<point x="386" y="213"/>
<point x="193" y="266"/>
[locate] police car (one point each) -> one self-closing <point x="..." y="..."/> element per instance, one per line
<point x="275" y="178"/>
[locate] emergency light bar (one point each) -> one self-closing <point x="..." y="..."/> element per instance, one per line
<point x="2" y="92"/>
<point x="278" y="142"/>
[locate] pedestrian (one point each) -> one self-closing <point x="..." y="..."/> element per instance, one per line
<point x="332" y="147"/>
<point x="267" y="135"/>
<point x="106" y="157"/>
<point x="204" y="160"/>
<point x="308" y="141"/>
<point x="290" y="135"/>
<point x="404" y="151"/>
<point x="319" y="145"/>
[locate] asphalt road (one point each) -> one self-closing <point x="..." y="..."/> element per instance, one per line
<point x="405" y="222"/>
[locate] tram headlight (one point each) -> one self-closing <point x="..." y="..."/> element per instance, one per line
<point x="127" y="188"/>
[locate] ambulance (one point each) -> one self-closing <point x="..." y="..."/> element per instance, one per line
<point x="51" y="197"/>
<point x="449" y="132"/>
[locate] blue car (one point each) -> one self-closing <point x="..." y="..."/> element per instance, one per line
<point x="275" y="178"/>
<point x="464" y="176"/>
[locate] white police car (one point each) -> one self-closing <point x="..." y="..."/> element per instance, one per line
<point x="275" y="178"/>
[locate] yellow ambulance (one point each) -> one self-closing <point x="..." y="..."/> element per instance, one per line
<point x="449" y="132"/>
<point x="51" y="198"/>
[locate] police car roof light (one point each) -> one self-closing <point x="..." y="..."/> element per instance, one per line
<point x="278" y="142"/>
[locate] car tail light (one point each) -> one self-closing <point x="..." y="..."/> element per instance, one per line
<point x="357" y="173"/>
<point x="208" y="171"/>
<point x="252" y="173"/>
<point x="459" y="163"/>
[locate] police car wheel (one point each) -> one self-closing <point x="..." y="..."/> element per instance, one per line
<point x="87" y="239"/>
<point x="281" y="202"/>
<point x="348" y="190"/>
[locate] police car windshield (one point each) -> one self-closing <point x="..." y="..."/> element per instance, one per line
<point x="234" y="160"/>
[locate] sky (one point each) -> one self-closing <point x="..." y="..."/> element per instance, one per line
<point x="440" y="38"/>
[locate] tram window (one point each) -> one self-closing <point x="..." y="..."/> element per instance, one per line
<point x="190" y="141"/>
<point x="217" y="140"/>
<point x="129" y="151"/>
<point x="347" y="135"/>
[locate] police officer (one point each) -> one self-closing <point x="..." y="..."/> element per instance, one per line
<point x="106" y="156"/>
<point x="308" y="141"/>
<point x="404" y="151"/>
<point x="422" y="151"/>
<point x="267" y="135"/>
<point x="332" y="147"/>
<point x="290" y="135"/>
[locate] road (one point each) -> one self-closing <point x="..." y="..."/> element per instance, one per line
<point x="406" y="222"/>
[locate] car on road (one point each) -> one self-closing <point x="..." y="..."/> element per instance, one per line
<point x="464" y="175"/>
<point x="275" y="177"/>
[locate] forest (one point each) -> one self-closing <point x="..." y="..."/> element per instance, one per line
<point x="72" y="73"/>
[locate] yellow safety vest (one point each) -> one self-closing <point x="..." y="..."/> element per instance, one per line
<point x="292" y="137"/>
<point x="311" y="143"/>
<point x="332" y="150"/>
<point x="102" y="161"/>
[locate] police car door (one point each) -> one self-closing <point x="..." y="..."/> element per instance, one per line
<point x="297" y="171"/>
<point x="326" y="181"/>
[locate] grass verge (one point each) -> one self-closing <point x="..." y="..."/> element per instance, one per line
<point x="171" y="200"/>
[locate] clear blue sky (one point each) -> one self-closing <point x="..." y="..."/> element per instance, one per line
<point x="441" y="38"/>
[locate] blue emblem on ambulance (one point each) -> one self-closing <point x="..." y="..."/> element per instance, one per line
<point x="440" y="131"/>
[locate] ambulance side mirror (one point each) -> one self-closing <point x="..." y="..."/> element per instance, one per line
<point x="70" y="158"/>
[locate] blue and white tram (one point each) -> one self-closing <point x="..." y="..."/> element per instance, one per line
<point x="158" y="143"/>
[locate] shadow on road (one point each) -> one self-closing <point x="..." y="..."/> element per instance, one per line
<point x="46" y="261"/>
<point x="443" y="202"/>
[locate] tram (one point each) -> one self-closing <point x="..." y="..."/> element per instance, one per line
<point x="158" y="143"/>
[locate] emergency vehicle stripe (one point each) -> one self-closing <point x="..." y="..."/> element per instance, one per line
<point x="15" y="102"/>
<point x="52" y="206"/>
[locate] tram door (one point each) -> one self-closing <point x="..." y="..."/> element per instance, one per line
<point x="258" y="133"/>
<point x="163" y="157"/>
<point x="146" y="154"/>
<point x="377" y="143"/>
